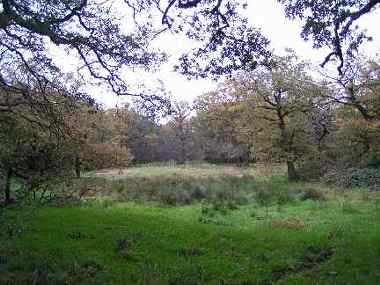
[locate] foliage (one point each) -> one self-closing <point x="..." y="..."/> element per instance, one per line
<point x="100" y="156"/>
<point x="267" y="112"/>
<point x="276" y="113"/>
<point x="222" y="126"/>
<point x="332" y="24"/>
<point x="365" y="177"/>
<point x="355" y="177"/>
<point x="30" y="150"/>
<point x="312" y="168"/>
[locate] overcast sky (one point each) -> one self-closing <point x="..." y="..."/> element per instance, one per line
<point x="267" y="15"/>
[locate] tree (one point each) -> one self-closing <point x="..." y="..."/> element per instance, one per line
<point x="224" y="126"/>
<point x="358" y="87"/>
<point x="30" y="149"/>
<point x="79" y="26"/>
<point x="180" y="125"/>
<point x="137" y="132"/>
<point x="96" y="34"/>
<point x="281" y="97"/>
<point x="98" y="138"/>
<point x="354" y="140"/>
<point x="332" y="24"/>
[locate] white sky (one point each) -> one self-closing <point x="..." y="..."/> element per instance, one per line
<point x="267" y="15"/>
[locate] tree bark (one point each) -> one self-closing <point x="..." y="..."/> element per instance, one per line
<point x="292" y="172"/>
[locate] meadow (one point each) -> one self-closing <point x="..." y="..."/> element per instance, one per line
<point x="193" y="224"/>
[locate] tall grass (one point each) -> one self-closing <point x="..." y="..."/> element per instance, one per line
<point x="172" y="190"/>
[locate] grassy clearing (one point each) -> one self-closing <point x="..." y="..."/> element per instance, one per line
<point x="191" y="169"/>
<point x="254" y="231"/>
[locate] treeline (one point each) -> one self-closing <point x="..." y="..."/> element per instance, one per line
<point x="184" y="136"/>
<point x="276" y="113"/>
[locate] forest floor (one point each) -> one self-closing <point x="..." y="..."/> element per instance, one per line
<point x="194" y="224"/>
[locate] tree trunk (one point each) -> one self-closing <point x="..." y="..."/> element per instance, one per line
<point x="292" y="172"/>
<point x="77" y="166"/>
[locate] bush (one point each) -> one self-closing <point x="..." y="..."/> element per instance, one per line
<point x="366" y="177"/>
<point x="355" y="177"/>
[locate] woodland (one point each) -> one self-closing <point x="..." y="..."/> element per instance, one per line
<point x="167" y="191"/>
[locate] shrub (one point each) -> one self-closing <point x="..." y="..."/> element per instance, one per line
<point x="355" y="177"/>
<point x="366" y="177"/>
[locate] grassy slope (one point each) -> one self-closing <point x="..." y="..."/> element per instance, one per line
<point x="302" y="242"/>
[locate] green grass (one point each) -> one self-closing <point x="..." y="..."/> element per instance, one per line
<point x="335" y="240"/>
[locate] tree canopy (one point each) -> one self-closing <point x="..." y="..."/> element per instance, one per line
<point x="109" y="36"/>
<point x="332" y="24"/>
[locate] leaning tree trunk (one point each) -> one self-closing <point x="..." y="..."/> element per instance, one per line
<point x="292" y="172"/>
